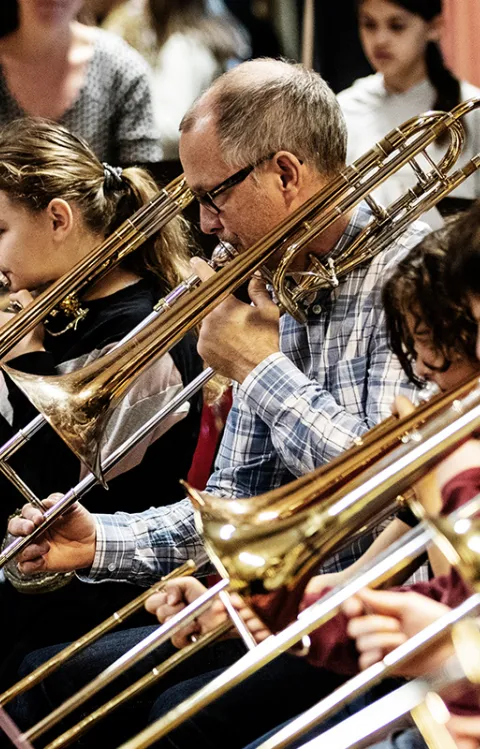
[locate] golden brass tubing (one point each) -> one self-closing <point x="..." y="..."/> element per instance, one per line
<point x="392" y="477"/>
<point x="159" y="636"/>
<point x="365" y="680"/>
<point x="141" y="685"/>
<point x="85" y="484"/>
<point x="412" y="544"/>
<point x="130" y="235"/>
<point x="362" y="728"/>
<point x="67" y="401"/>
<point x="101" y="629"/>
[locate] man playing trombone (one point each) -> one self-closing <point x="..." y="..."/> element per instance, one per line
<point x="255" y="147"/>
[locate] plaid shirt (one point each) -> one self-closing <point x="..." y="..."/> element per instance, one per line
<point x="334" y="379"/>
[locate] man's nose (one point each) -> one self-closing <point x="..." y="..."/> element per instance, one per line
<point x="209" y="221"/>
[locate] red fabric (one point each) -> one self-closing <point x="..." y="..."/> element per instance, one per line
<point x="331" y="647"/>
<point x="211" y="427"/>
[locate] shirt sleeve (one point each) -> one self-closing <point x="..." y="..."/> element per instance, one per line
<point x="308" y="426"/>
<point x="142" y="547"/>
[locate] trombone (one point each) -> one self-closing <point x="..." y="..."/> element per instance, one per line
<point x="62" y="295"/>
<point x="289" y="554"/>
<point x="421" y="697"/>
<point x="292" y="288"/>
<point x="77" y="405"/>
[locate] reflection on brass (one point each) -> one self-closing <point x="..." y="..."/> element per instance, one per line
<point x="78" y="405"/>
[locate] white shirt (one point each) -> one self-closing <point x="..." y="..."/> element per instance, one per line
<point x="371" y="112"/>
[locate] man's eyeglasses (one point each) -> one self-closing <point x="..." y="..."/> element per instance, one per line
<point x="208" y="198"/>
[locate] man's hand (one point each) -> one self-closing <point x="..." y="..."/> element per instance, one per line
<point x="179" y="593"/>
<point x="69" y="544"/>
<point x="235" y="337"/>
<point x="381" y="620"/>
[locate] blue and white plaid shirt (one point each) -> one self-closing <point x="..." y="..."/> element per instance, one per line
<point x="334" y="379"/>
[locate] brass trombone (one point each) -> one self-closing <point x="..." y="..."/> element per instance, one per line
<point x="78" y="404"/>
<point x="62" y="295"/>
<point x="290" y="552"/>
<point x="294" y="234"/>
<point x="420" y="697"/>
<point x="458" y="537"/>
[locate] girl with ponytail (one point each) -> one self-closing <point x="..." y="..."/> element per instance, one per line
<point x="401" y="39"/>
<point x="57" y="203"/>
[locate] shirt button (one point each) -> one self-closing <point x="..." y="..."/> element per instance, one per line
<point x="316" y="309"/>
<point x="112" y="567"/>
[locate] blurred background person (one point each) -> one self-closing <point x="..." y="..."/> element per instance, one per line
<point x="187" y="46"/>
<point x="83" y="77"/>
<point x="401" y="41"/>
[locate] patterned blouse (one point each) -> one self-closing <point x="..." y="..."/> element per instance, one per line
<point x="113" y="111"/>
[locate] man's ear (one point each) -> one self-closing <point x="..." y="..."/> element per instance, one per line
<point x="61" y="218"/>
<point x="289" y="170"/>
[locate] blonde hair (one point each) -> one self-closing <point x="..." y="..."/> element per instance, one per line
<point x="41" y="160"/>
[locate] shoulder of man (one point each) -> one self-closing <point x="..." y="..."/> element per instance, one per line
<point x="396" y="250"/>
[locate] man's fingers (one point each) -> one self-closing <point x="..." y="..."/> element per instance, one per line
<point x="27" y="568"/>
<point x="201" y="268"/>
<point x="353" y="607"/>
<point x="154" y="602"/>
<point x="368" y="659"/>
<point x="384" y="601"/>
<point x="182" y="638"/>
<point x="163" y="613"/>
<point x="257" y="291"/>
<point x="402" y="406"/>
<point x="34" y="551"/>
<point x="20" y="527"/>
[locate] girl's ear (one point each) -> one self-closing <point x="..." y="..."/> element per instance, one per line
<point x="435" y="29"/>
<point x="61" y="218"/>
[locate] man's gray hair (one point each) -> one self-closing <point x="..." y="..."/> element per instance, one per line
<point x="265" y="106"/>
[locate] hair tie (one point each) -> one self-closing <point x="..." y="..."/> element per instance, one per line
<point x="112" y="176"/>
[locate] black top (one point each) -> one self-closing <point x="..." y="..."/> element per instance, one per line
<point x="47" y="465"/>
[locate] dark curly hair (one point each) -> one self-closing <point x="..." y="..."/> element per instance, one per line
<point x="418" y="287"/>
<point x="463" y="262"/>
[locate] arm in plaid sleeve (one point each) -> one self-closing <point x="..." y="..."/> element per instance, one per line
<point x="144" y="546"/>
<point x="308" y="427"/>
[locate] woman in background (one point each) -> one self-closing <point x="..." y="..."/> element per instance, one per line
<point x="401" y="40"/>
<point x="187" y="47"/>
<point x="89" y="81"/>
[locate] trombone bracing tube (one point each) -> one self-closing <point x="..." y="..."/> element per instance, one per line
<point x="78" y="491"/>
<point x="100" y="630"/>
<point x="133" y="656"/>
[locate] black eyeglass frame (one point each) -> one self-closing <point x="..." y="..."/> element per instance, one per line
<point x="207" y="198"/>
